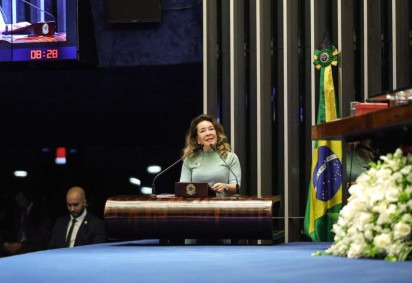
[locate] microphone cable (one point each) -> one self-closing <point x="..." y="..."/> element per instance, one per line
<point x="197" y="148"/>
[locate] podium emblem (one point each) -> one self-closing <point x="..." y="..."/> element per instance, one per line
<point x="190" y="189"/>
<point x="45" y="29"/>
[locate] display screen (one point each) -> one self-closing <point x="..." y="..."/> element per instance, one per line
<point x="36" y="30"/>
<point x="133" y="11"/>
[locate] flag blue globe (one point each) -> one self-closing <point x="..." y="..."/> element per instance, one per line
<point x="327" y="175"/>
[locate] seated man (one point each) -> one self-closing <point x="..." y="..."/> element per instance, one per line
<point x="30" y="228"/>
<point x="78" y="228"/>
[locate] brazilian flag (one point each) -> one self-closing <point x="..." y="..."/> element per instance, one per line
<point x="325" y="189"/>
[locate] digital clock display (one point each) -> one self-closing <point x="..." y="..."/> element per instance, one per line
<point x="44" y="53"/>
<point x="49" y="32"/>
<point x="38" y="54"/>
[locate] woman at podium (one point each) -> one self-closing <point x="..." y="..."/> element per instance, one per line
<point x="214" y="163"/>
<point x="6" y="27"/>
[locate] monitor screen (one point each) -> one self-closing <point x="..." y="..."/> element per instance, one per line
<point x="38" y="30"/>
<point x="133" y="11"/>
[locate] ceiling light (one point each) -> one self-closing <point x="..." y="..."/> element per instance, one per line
<point x="154" y="169"/>
<point x="135" y="181"/>
<point x="146" y="190"/>
<point x="20" y="173"/>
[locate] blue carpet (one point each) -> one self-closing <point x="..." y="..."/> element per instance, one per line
<point x="145" y="261"/>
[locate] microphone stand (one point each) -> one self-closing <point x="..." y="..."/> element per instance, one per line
<point x="41" y="10"/>
<point x="197" y="148"/>
<point x="237" y="193"/>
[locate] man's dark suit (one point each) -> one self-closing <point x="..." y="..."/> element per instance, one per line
<point x="37" y="226"/>
<point x="91" y="231"/>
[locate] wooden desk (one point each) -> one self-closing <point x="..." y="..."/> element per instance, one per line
<point x="141" y="217"/>
<point x="360" y="127"/>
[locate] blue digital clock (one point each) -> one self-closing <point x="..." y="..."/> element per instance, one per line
<point x="44" y="53"/>
<point x="39" y="54"/>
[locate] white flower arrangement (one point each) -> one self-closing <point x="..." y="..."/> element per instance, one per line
<point x="377" y="220"/>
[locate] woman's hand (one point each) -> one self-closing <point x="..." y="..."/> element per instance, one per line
<point x="219" y="187"/>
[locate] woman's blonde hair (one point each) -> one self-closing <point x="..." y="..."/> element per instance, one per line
<point x="222" y="146"/>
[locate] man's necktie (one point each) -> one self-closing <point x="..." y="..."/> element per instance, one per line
<point x="23" y="226"/>
<point x="69" y="236"/>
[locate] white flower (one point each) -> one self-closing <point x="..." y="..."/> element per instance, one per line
<point x="380" y="208"/>
<point x="363" y="178"/>
<point x="362" y="221"/>
<point x="383" y="174"/>
<point x="355" y="250"/>
<point x="406" y="170"/>
<point x="382" y="241"/>
<point x="368" y="233"/>
<point x="378" y="195"/>
<point x="401" y="230"/>
<point x="392" y="209"/>
<point x="384" y="218"/>
<point x="407" y="218"/>
<point x="377" y="220"/>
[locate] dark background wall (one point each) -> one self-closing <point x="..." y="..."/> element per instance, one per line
<point x="125" y="104"/>
<point x="176" y="40"/>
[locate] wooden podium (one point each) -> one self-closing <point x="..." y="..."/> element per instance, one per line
<point x="169" y="217"/>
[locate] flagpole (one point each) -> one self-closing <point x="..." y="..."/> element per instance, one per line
<point x="394" y="45"/>
<point x="365" y="49"/>
<point x="340" y="85"/>
<point x="285" y="116"/>
<point x="312" y="74"/>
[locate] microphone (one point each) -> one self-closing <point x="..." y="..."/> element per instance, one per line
<point x="237" y="194"/>
<point x="5" y="20"/>
<point x="4" y="15"/>
<point x="45" y="28"/>
<point x="197" y="148"/>
<point x="41" y="10"/>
